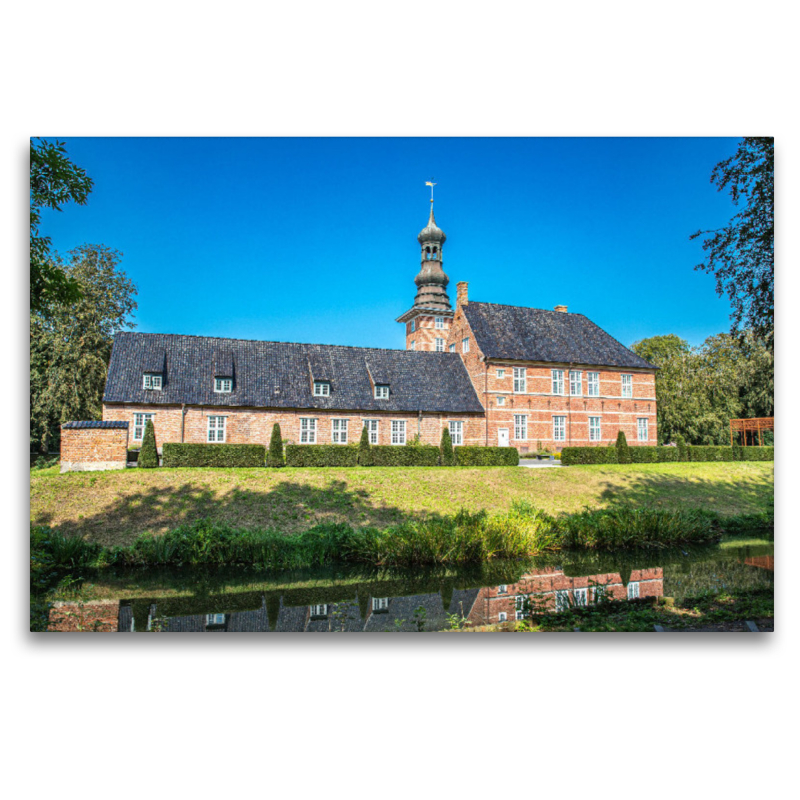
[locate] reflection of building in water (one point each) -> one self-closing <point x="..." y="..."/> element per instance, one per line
<point x="551" y="590"/>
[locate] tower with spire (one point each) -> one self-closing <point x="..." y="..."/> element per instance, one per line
<point x="428" y="320"/>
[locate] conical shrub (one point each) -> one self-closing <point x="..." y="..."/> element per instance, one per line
<point x="623" y="453"/>
<point x="364" y="449"/>
<point x="446" y="446"/>
<point x="275" y="453"/>
<point x="148" y="455"/>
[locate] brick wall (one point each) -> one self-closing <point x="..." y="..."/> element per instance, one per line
<point x="84" y="449"/>
<point x="254" y="425"/>
<point x="425" y="332"/>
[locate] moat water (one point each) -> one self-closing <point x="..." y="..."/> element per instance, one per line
<point x="382" y="600"/>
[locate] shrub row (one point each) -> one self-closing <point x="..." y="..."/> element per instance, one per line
<point x="321" y="455"/>
<point x="387" y="455"/>
<point x="487" y="456"/>
<point x="175" y="454"/>
<point x="652" y="455"/>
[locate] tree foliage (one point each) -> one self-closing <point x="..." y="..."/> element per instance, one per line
<point x="741" y="254"/>
<point x="71" y="346"/>
<point x="700" y="389"/>
<point x="55" y="180"/>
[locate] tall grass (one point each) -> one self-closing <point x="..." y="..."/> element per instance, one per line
<point x="464" y="538"/>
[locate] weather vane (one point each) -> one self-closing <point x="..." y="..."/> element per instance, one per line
<point x="431" y="184"/>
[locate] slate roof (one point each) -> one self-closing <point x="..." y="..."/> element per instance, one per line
<point x="536" y="334"/>
<point x="93" y="424"/>
<point x="279" y="375"/>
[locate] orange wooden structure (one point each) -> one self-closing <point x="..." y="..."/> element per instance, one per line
<point x="753" y="426"/>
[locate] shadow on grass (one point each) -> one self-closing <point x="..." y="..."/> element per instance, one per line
<point x="739" y="495"/>
<point x="289" y="507"/>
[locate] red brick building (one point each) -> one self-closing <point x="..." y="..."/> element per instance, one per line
<point x="494" y="374"/>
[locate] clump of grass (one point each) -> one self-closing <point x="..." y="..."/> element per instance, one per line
<point x="58" y="551"/>
<point x="621" y="527"/>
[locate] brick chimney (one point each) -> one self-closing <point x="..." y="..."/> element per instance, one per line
<point x="461" y="294"/>
<point x="560" y="308"/>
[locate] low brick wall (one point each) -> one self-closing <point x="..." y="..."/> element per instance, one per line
<point x="93" y="446"/>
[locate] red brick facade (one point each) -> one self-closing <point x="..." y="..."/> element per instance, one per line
<point x="85" y="449"/>
<point x="422" y="333"/>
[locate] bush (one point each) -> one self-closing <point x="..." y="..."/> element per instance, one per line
<point x="623" y="451"/>
<point x="321" y="455"/>
<point x="148" y="455"/>
<point x="487" y="456"/>
<point x="448" y="456"/>
<point x="709" y="453"/>
<point x="758" y="454"/>
<point x="588" y="455"/>
<point x="213" y="455"/>
<point x="421" y="455"/>
<point x="275" y="452"/>
<point x="364" y="454"/>
<point x="683" y="454"/>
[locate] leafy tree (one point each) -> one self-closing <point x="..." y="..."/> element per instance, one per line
<point x="623" y="451"/>
<point x="741" y="254"/>
<point x="275" y="453"/>
<point x="55" y="180"/>
<point x="364" y="449"/>
<point x="446" y="446"/>
<point x="71" y="347"/>
<point x="148" y="455"/>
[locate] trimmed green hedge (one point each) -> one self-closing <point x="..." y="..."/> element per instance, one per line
<point x="389" y="455"/>
<point x="321" y="455"/>
<point x="653" y="455"/>
<point x="758" y="454"/>
<point x="486" y="456"/>
<point x="175" y="454"/>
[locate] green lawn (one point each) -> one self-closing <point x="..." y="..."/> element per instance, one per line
<point x="113" y="507"/>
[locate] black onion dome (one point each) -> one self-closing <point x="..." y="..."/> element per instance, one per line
<point x="431" y="232"/>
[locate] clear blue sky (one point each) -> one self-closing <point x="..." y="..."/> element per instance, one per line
<point x="314" y="240"/>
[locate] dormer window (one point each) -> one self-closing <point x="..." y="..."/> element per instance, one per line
<point x="152" y="380"/>
<point x="223" y="385"/>
<point x="322" y="389"/>
<point x="381" y="391"/>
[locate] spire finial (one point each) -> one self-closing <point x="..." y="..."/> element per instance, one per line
<point x="431" y="184"/>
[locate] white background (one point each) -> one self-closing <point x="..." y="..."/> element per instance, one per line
<point x="456" y="716"/>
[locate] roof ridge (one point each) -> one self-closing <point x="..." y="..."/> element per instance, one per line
<point x="277" y="341"/>
<point x="527" y="308"/>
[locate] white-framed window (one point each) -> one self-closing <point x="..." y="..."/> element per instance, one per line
<point x="627" y="385"/>
<point x="501" y="401"/>
<point x="558" y="381"/>
<point x="308" y="430"/>
<point x="152" y="380"/>
<point x="575" y="387"/>
<point x="372" y="430"/>
<point x="562" y="599"/>
<point x="559" y="429"/>
<point x="501" y="373"/>
<point x="380" y="603"/>
<point x="339" y="431"/>
<point x="642" y="429"/>
<point x="519" y="605"/>
<point x="216" y="429"/>
<point x="502" y="617"/>
<point x="412" y="326"/>
<point x="594" y="429"/>
<point x="381" y="391"/>
<point x="439" y="345"/>
<point x="502" y="589"/>
<point x="465" y="345"/>
<point x="633" y="590"/>
<point x="456" y="432"/>
<point x="520" y="380"/>
<point x="215" y="619"/>
<point x="520" y="427"/>
<point x="139" y="422"/>
<point x="412" y="345"/>
<point x="439" y="323"/>
<point x="581" y="597"/>
<point x="452" y="348"/>
<point x="398" y="431"/>
<point x="322" y="389"/>
<point x="593" y="384"/>
<point x="223" y="385"/>
<point x="319" y="610"/>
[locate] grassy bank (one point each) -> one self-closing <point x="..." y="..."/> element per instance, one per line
<point x="112" y="508"/>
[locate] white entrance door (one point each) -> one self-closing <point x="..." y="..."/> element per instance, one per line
<point x="502" y="437"/>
